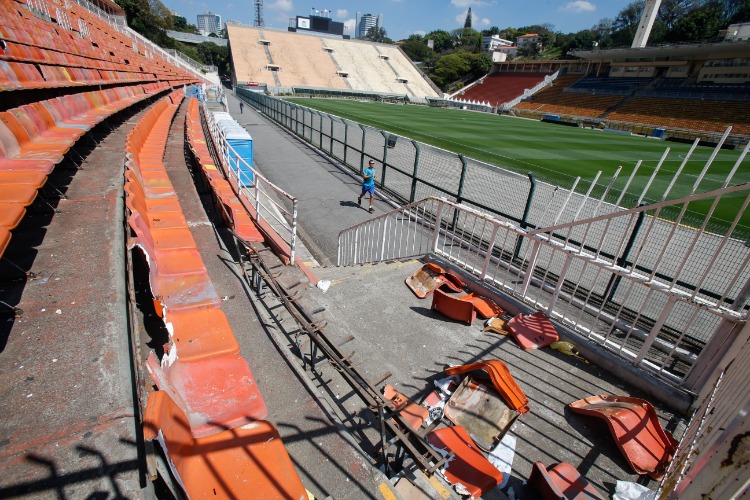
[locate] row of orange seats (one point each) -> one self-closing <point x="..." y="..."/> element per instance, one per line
<point x="32" y="39"/>
<point x="35" y="137"/>
<point x="234" y="212"/>
<point x="21" y="76"/>
<point x="208" y="413"/>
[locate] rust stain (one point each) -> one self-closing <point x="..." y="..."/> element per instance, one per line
<point x="733" y="448"/>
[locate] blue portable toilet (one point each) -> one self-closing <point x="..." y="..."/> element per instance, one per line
<point x="242" y="144"/>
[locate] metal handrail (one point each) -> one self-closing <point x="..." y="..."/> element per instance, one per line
<point x="593" y="295"/>
<point x="258" y="191"/>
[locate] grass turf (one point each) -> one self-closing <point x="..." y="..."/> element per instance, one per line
<point x="554" y="153"/>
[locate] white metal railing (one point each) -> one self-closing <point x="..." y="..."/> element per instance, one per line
<point x="654" y="320"/>
<point x="255" y="191"/>
<point x="530" y="92"/>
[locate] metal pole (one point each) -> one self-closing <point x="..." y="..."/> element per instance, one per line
<point x="294" y="233"/>
<point x="385" y="157"/>
<point x="415" y="172"/>
<point x="362" y="151"/>
<point x="525" y="215"/>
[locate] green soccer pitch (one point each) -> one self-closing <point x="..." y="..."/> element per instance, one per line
<point x="555" y="153"/>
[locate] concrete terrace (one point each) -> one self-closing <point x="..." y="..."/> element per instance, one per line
<point x="69" y="399"/>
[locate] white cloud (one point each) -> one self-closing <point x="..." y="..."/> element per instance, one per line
<point x="475" y="21"/>
<point x="579" y="6"/>
<point x="342" y="14"/>
<point x="469" y="3"/>
<point x="282" y="5"/>
<point x="349" y="25"/>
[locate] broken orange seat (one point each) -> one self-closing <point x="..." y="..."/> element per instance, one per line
<point x="215" y="393"/>
<point x="485" y="307"/>
<point x="154" y="205"/>
<point x="430" y="277"/>
<point x="453" y="307"/>
<point x="532" y="331"/>
<point x="468" y="466"/>
<point x="635" y="426"/>
<point x="501" y="379"/>
<point x="412" y="413"/>
<point x="200" y="334"/>
<point x="248" y="461"/>
<point x="562" y="482"/>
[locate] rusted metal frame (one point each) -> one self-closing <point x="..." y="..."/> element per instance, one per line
<point x="357" y="382"/>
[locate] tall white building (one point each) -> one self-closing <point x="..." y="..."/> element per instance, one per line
<point x="209" y="23"/>
<point x="365" y="22"/>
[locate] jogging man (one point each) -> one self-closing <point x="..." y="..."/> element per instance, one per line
<point x="368" y="184"/>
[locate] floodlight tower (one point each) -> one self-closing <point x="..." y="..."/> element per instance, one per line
<point x="258" y="13"/>
<point x="647" y="22"/>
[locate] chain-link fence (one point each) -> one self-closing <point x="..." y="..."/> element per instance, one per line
<point x="651" y="243"/>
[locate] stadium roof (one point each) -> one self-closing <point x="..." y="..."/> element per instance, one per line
<point x="722" y="49"/>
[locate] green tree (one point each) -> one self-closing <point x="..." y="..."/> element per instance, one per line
<point x="442" y="40"/>
<point x="468" y="39"/>
<point x="467" y="22"/>
<point x="376" y="34"/>
<point x="416" y="50"/>
<point x="481" y="64"/>
<point x="450" y="68"/>
<point x="180" y="24"/>
<point x="700" y="24"/>
<point x="494" y="30"/>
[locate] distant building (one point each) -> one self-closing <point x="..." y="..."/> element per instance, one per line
<point x="490" y="43"/>
<point x="529" y="40"/>
<point x="209" y="23"/>
<point x="365" y="22"/>
<point x="738" y="32"/>
<point x="501" y="54"/>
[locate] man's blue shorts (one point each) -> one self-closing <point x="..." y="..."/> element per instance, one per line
<point x="368" y="189"/>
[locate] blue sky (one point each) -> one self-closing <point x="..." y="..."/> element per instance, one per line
<point x="402" y="18"/>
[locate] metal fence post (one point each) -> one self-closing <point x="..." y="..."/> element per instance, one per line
<point x="320" y="129"/>
<point x="330" y="148"/>
<point x="362" y="151"/>
<point x="460" y="191"/>
<point x="525" y="216"/>
<point x="385" y="158"/>
<point x="415" y="172"/>
<point x="346" y="138"/>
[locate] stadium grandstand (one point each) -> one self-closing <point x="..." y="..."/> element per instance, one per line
<point x="195" y="306"/>
<point x="680" y="92"/>
<point x="285" y="62"/>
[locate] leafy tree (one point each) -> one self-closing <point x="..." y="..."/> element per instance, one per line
<point x="494" y="30"/>
<point x="442" y="40"/>
<point x="481" y="64"/>
<point x="700" y="24"/>
<point x="416" y="50"/>
<point x="450" y="68"/>
<point x="467" y="22"/>
<point x="415" y="38"/>
<point x="468" y="39"/>
<point x="180" y="24"/>
<point x="376" y="34"/>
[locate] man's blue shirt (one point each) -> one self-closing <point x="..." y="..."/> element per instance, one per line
<point x="371" y="180"/>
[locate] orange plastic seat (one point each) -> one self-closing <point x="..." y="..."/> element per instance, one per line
<point x="246" y="461"/>
<point x="201" y="334"/>
<point x="501" y="379"/>
<point x="453" y="307"/>
<point x="25" y="194"/>
<point x="562" y="482"/>
<point x="635" y="426"/>
<point x="11" y="214"/>
<point x="414" y="414"/>
<point x="215" y="393"/>
<point x="4" y="240"/>
<point x="468" y="466"/>
<point x="532" y="331"/>
<point x="30" y="177"/>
